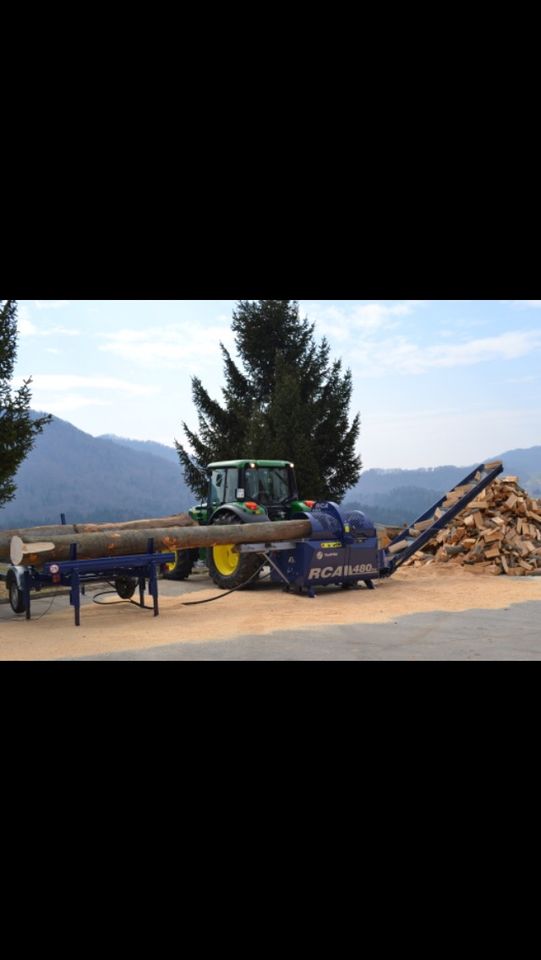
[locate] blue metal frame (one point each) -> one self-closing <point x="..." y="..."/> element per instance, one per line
<point x="77" y="574"/>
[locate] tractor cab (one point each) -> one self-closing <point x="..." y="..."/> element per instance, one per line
<point x="254" y="487"/>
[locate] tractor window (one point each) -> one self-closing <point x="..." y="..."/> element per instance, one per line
<point x="267" y="485"/>
<point x="252" y="484"/>
<point x="275" y="482"/>
<point x="232" y="485"/>
<point x="217" y="487"/>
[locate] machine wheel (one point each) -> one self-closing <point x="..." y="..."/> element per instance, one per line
<point x="229" y="569"/>
<point x="125" y="587"/>
<point x="183" y="565"/>
<point x="16" y="596"/>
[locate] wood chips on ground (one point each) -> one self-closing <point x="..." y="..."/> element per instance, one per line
<point x="261" y="611"/>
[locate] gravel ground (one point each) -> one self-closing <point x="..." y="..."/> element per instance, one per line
<point x="424" y="614"/>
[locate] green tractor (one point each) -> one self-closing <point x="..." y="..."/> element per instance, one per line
<point x="241" y="491"/>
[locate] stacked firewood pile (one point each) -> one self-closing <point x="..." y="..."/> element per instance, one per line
<point x="498" y="533"/>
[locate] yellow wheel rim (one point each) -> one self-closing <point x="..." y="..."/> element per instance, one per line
<point x="171" y="566"/>
<point x="226" y="560"/>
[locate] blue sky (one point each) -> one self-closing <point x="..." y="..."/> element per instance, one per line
<point x="436" y="381"/>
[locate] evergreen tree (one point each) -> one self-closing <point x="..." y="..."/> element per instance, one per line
<point x="288" y="402"/>
<point x="18" y="428"/>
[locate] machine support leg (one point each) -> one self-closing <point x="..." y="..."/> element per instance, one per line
<point x="142" y="586"/>
<point x="153" y="586"/>
<point x="75" y="597"/>
<point x="27" y="582"/>
<point x="271" y="562"/>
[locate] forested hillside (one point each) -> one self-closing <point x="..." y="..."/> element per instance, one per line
<point x="398" y="497"/>
<point x="92" y="479"/>
<point x="145" y="446"/>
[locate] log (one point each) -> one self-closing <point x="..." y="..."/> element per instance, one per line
<point x="453" y="551"/>
<point x="30" y="535"/>
<point x="179" y="520"/>
<point x="494" y="536"/>
<point x="478" y="520"/>
<point x="120" y="543"/>
<point x="398" y="547"/>
<point x="421" y="527"/>
<point x="37" y="534"/>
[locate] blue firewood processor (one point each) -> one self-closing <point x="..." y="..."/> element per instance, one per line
<point x="343" y="548"/>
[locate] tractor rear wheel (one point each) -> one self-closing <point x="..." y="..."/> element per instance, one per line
<point x="228" y="568"/>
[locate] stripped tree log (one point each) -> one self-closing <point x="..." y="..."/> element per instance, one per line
<point x="38" y="534"/>
<point x="180" y="520"/>
<point x="124" y="543"/>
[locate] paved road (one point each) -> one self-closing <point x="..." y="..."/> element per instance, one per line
<point x="512" y="634"/>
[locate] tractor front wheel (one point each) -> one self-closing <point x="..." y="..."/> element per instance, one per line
<point x="228" y="568"/>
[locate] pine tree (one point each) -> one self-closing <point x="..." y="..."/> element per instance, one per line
<point x="288" y="402"/>
<point x="18" y="427"/>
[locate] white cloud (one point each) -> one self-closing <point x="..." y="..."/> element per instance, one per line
<point x="51" y="304"/>
<point x="386" y="439"/>
<point x="58" y="332"/>
<point x="64" y="393"/>
<point x="399" y="355"/>
<point x="60" y="383"/>
<point x="381" y="345"/>
<point x="170" y="346"/>
<point x="374" y="316"/>
<point x="62" y="404"/>
<point x="341" y="323"/>
<point x="27" y="328"/>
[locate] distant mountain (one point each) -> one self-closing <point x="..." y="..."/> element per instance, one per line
<point x="93" y="479"/>
<point x="401" y="496"/>
<point x="398" y="507"/>
<point x="114" y="478"/>
<point x="526" y="464"/>
<point x="375" y="483"/>
<point x="145" y="446"/>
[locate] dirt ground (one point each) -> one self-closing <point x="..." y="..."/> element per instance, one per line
<point x="107" y="628"/>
